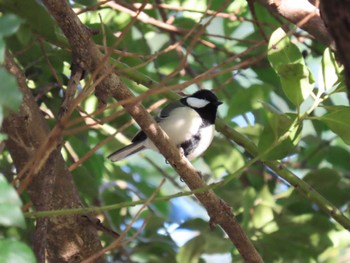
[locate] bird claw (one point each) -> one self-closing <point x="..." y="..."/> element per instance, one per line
<point x="182" y="153"/>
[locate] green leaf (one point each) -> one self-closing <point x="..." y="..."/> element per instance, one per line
<point x="287" y="60"/>
<point x="15" y="251"/>
<point x="2" y="50"/>
<point x="191" y="251"/>
<point x="213" y="239"/>
<point x="24" y="34"/>
<point x="329" y="70"/>
<point x="34" y="13"/>
<point x="223" y="158"/>
<point x="86" y="2"/>
<point x="10" y="205"/>
<point x="307" y="229"/>
<point x="11" y="215"/>
<point x="269" y="144"/>
<point x="338" y="121"/>
<point x="9" y="24"/>
<point x="252" y="96"/>
<point x="340" y="83"/>
<point x="325" y="181"/>
<point x="249" y="197"/>
<point x="8" y="194"/>
<point x="13" y="98"/>
<point x="263" y="213"/>
<point x="1" y="118"/>
<point x="281" y="51"/>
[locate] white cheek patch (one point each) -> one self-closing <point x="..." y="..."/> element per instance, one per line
<point x="196" y="103"/>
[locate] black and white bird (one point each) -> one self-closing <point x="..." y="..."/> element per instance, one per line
<point x="189" y="123"/>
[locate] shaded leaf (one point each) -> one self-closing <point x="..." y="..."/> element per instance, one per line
<point x="9" y="24"/>
<point x="36" y="16"/>
<point x="278" y="125"/>
<point x="9" y="86"/>
<point x="297" y="232"/>
<point x="253" y="97"/>
<point x="325" y="181"/>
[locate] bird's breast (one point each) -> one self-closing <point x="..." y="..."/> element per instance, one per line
<point x="182" y="124"/>
<point x="206" y="136"/>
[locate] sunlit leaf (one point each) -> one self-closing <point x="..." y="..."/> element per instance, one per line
<point x="263" y="212"/>
<point x="10" y="205"/>
<point x="2" y="50"/>
<point x="338" y="121"/>
<point x="287" y="61"/>
<point x="329" y="69"/>
<point x="15" y="251"/>
<point x="191" y="251"/>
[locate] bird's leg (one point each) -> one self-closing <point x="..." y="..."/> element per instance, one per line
<point x="182" y="152"/>
<point x="200" y="174"/>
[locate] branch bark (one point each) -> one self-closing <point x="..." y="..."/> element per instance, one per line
<point x="86" y="51"/>
<point x="64" y="238"/>
<point x="295" y="10"/>
<point x="336" y="14"/>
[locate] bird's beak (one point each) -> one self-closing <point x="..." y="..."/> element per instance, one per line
<point x="218" y="103"/>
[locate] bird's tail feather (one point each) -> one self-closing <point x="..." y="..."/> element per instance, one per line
<point x="126" y="151"/>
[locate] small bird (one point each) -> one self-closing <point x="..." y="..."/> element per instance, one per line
<point x="189" y="123"/>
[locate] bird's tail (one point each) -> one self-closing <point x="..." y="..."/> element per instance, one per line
<point x="126" y="151"/>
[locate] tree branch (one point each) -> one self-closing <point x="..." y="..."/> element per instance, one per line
<point x="295" y="10"/>
<point x="87" y="52"/>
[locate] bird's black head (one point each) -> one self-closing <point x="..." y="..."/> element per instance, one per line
<point x="205" y="103"/>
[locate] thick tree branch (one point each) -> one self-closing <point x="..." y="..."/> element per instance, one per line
<point x="297" y="10"/>
<point x="337" y="18"/>
<point x="62" y="239"/>
<point x="87" y="52"/>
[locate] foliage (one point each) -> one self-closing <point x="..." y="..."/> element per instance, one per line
<point x="11" y="219"/>
<point x="9" y="24"/>
<point x="290" y="103"/>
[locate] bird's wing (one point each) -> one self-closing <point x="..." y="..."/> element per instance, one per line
<point x="168" y="109"/>
<point x="140" y="136"/>
<point x="126" y="151"/>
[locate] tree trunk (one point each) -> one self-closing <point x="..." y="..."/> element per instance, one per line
<point x="336" y="15"/>
<point x="57" y="239"/>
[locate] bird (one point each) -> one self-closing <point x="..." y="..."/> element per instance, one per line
<point x="189" y="123"/>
